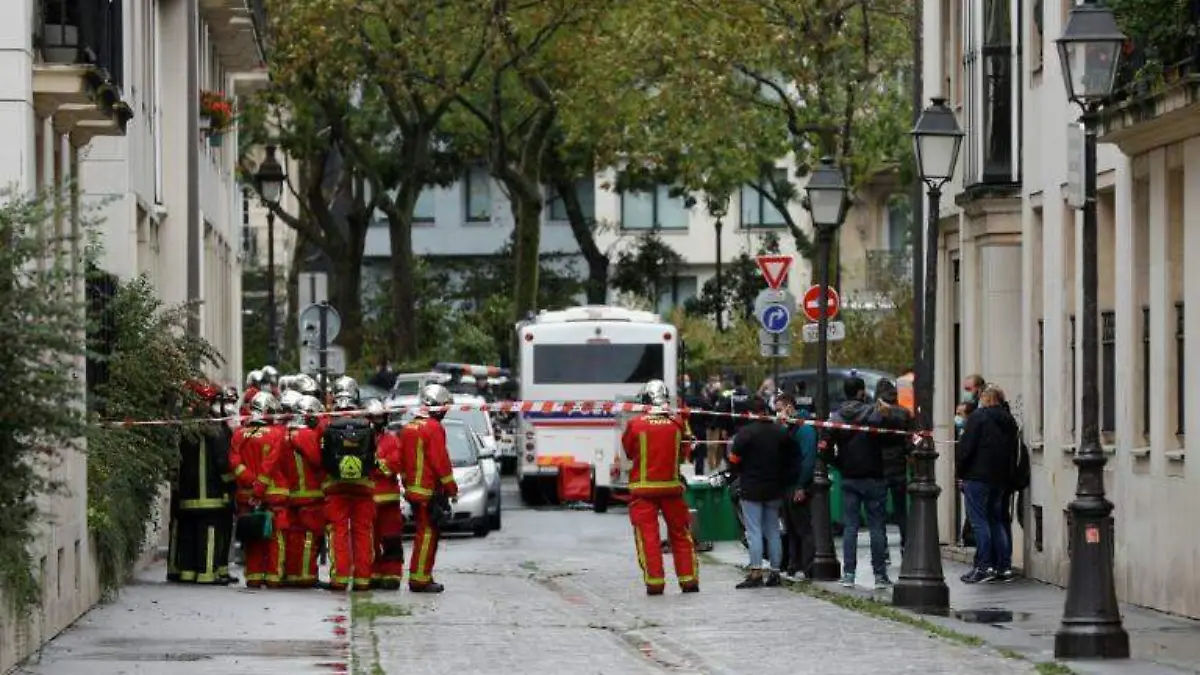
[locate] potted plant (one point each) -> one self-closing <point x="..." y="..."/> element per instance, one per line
<point x="216" y="115"/>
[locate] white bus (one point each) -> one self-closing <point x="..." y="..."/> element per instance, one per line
<point x="592" y="353"/>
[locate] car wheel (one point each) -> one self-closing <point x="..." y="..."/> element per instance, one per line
<point x="494" y="520"/>
<point x="600" y="498"/>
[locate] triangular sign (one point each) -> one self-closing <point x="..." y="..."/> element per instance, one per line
<point x="774" y="269"/>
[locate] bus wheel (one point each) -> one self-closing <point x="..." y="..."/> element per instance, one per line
<point x="600" y="498"/>
<point x="531" y="491"/>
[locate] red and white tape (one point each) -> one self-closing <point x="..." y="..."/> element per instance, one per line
<point x="544" y="407"/>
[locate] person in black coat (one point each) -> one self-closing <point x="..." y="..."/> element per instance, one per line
<point x="985" y="459"/>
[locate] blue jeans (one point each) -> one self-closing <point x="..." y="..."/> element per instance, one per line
<point x="986" y="511"/>
<point x="762" y="521"/>
<point x="872" y="493"/>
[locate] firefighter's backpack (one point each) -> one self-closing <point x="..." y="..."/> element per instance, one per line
<point x="348" y="449"/>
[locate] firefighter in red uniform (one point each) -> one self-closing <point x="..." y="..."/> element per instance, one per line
<point x="253" y="386"/>
<point x="349" y="492"/>
<point x="428" y="482"/>
<point x="307" y="501"/>
<point x="388" y="570"/>
<point x="655" y="442"/>
<point x="256" y="451"/>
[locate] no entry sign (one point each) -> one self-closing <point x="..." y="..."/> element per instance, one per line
<point x="811" y="303"/>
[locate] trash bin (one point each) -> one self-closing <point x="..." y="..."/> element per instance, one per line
<point x="714" y="509"/>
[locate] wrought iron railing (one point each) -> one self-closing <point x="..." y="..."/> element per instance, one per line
<point x="83" y="32"/>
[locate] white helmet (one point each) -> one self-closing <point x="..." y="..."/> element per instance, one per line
<point x="262" y="406"/>
<point x="655" y="393"/>
<point x="270" y="375"/>
<point x="435" y="396"/>
<point x="305" y="384"/>
<point x="290" y="400"/>
<point x="345" y="386"/>
<point x="254" y="378"/>
<point x="287" y="382"/>
<point x="310" y="405"/>
<point x="375" y="409"/>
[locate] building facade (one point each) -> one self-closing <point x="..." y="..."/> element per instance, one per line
<point x="472" y="218"/>
<point x="1011" y="287"/>
<point x="100" y="99"/>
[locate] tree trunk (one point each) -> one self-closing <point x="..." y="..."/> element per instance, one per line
<point x="290" y="334"/>
<point x="345" y="295"/>
<point x="527" y="215"/>
<point x="403" y="301"/>
<point x="585" y="236"/>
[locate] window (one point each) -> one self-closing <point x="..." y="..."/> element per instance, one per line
<point x="899" y="222"/>
<point x="477" y="191"/>
<point x="678" y="290"/>
<point x="1179" y="383"/>
<point x="1037" y="24"/>
<point x="757" y="210"/>
<point x="997" y="93"/>
<point x="1108" y="371"/>
<point x="1146" y="371"/>
<point x="585" y="191"/>
<point x="460" y="446"/>
<point x="656" y="210"/>
<point x="425" y="211"/>
<point x="597" y="363"/>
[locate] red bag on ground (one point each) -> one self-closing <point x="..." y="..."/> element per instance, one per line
<point x="574" y="482"/>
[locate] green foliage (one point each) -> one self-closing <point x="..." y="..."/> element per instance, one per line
<point x="1164" y="33"/>
<point x="710" y="351"/>
<point x="150" y="357"/>
<point x="40" y="412"/>
<point x="643" y="269"/>
<point x="741" y="282"/>
<point x="880" y="336"/>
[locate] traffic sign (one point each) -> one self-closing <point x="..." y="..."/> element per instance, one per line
<point x="834" y="331"/>
<point x="775" y="318"/>
<point x="812" y="307"/>
<point x="310" y="325"/>
<point x="335" y="360"/>
<point x="767" y="338"/>
<point x="774" y="269"/>
<point x="778" y="351"/>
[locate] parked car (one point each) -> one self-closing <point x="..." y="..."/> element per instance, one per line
<point x="470" y="509"/>
<point x="369" y="392"/>
<point x="804" y="382"/>
<point x="480" y="423"/>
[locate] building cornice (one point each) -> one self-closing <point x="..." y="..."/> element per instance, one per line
<point x="1161" y="117"/>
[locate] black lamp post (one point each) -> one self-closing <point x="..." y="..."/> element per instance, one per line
<point x="1090" y="49"/>
<point x="922" y="584"/>
<point x="718" y="205"/>
<point x="826" y="200"/>
<point x="270" y="179"/>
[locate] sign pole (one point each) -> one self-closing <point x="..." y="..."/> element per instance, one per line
<point x="323" y="350"/>
<point x="775" y="363"/>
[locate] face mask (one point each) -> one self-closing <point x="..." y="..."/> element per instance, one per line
<point x="959" y="422"/>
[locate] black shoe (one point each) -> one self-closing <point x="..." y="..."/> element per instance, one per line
<point x="773" y="579"/>
<point x="431" y="587"/>
<point x="752" y="581"/>
<point x="230" y="579"/>
<point x="690" y="588"/>
<point x="390" y="585"/>
<point x="655" y="590"/>
<point x="1005" y="577"/>
<point x="975" y="576"/>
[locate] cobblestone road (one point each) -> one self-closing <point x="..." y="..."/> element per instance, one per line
<point x="559" y="592"/>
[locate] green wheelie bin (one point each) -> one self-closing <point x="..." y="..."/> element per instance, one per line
<point x="714" y="512"/>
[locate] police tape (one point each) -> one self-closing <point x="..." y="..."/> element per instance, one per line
<point x="582" y="408"/>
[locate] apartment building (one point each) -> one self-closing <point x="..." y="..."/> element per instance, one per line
<point x="104" y="96"/>
<point x="1011" y="288"/>
<point x="472" y="219"/>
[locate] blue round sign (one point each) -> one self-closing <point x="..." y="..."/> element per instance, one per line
<point x="775" y="318"/>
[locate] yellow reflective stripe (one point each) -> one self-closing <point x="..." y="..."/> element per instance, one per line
<point x="641" y="555"/>
<point x="386" y="498"/>
<point x="420" y="574"/>
<point x="190" y="504"/>
<point x="307" y="494"/>
<point x="420" y="473"/>
<point x="265" y="480"/>
<point x="278" y="491"/>
<point x="240" y="469"/>
<point x="643" y="455"/>
<point x="187" y="576"/>
<point x="210" y="556"/>
<point x="446" y="480"/>
<point x="656" y="483"/>
<point x="678" y="449"/>
<point x="300" y="474"/>
<point x="306" y="559"/>
<point x="418" y="490"/>
<point x="357" y="481"/>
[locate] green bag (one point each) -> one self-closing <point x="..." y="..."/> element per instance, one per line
<point x="258" y="525"/>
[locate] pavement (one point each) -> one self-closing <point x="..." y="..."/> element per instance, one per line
<point x="559" y="591"/>
<point x="1022" y="617"/>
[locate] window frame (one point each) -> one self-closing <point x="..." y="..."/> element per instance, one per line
<point x="755" y="192"/>
<point x="660" y="192"/>
<point x="467" y="193"/>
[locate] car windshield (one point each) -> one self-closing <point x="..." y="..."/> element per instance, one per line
<point x="406" y="388"/>
<point x="461" y="445"/>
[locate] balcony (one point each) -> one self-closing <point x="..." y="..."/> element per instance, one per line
<point x="77" y="79"/>
<point x="238" y="28"/>
<point x="1157" y="100"/>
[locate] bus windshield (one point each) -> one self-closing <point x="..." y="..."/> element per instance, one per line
<point x="597" y="363"/>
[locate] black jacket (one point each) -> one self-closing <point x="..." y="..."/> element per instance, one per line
<point x="203" y="463"/>
<point x="859" y="454"/>
<point x="735" y="401"/>
<point x="894" y="448"/>
<point x="989" y="447"/>
<point x="766" y="460"/>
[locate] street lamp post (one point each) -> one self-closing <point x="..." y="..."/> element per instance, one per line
<point x="826" y="200"/>
<point x="717" y="208"/>
<point x="922" y="584"/>
<point x="1090" y="49"/>
<point x="270" y="179"/>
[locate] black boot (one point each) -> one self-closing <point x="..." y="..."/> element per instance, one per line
<point x="431" y="587"/>
<point x="752" y="580"/>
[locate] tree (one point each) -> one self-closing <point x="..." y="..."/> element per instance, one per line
<point x="40" y="415"/>
<point x="742" y="281"/>
<point x="643" y="269"/>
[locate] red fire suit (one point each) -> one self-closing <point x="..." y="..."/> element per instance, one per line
<point x="426" y="470"/>
<point x="655" y="443"/>
<point x="388" y="570"/>
<point x="349" y="529"/>
<point x="254" y="456"/>
<point x="247" y="396"/>
<point x="306" y="508"/>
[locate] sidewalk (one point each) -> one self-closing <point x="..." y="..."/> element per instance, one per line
<point x="1024" y="616"/>
<point x="155" y="628"/>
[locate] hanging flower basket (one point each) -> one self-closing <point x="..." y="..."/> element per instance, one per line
<point x="215" y="140"/>
<point x="216" y="112"/>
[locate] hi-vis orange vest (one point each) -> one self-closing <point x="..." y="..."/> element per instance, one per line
<point x="656" y="445"/>
<point x="905" y="393"/>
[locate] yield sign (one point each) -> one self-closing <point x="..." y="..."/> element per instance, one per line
<point x="774" y="268"/>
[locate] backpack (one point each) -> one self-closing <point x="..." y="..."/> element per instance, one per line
<point x="348" y="449"/>
<point x="1019" y="477"/>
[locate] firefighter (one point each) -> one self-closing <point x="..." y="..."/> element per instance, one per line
<point x="270" y="379"/>
<point x="257" y="449"/>
<point x="388" y="570"/>
<point x="428" y="482"/>
<point x="306" y="504"/>
<point x="226" y="410"/>
<point x="655" y="441"/>
<point x="253" y="386"/>
<point x="348" y="454"/>
<point x="199" y="497"/>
